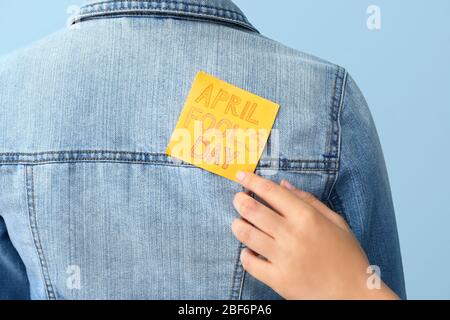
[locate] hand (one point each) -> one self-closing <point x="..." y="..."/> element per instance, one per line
<point x="298" y="246"/>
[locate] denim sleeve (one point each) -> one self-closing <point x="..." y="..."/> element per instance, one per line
<point x="13" y="278"/>
<point x="361" y="192"/>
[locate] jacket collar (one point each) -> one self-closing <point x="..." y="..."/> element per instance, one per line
<point x="219" y="11"/>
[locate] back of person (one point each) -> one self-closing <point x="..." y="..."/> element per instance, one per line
<point x="94" y="207"/>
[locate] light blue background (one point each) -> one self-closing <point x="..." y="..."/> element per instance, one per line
<point x="404" y="71"/>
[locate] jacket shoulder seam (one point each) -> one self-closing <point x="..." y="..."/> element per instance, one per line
<point x="336" y="143"/>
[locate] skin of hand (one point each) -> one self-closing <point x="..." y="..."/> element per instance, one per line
<point x="298" y="246"/>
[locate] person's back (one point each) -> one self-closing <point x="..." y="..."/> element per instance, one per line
<point x="94" y="207"/>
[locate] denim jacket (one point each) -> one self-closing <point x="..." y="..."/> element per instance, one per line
<point x="90" y="205"/>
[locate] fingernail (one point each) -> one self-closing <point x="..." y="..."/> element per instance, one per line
<point x="241" y="176"/>
<point x="288" y="185"/>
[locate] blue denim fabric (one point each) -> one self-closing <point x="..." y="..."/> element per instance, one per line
<point x="13" y="280"/>
<point x="94" y="208"/>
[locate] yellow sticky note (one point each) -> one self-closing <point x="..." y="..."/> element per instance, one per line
<point x="222" y="128"/>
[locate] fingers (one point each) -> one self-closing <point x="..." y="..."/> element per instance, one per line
<point x="259" y="215"/>
<point x="255" y="266"/>
<point x="279" y="198"/>
<point x="305" y="196"/>
<point x="253" y="238"/>
<point x="316" y="204"/>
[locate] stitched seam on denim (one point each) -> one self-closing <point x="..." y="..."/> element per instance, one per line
<point x="237" y="276"/>
<point x="336" y="105"/>
<point x="196" y="17"/>
<point x="334" y="138"/>
<point x="285" y="169"/>
<point x="25" y="178"/>
<point x="339" y="142"/>
<point x="33" y="223"/>
<point x="145" y="154"/>
<point x="151" y="158"/>
<point x="159" y="11"/>
<point x="241" y="288"/>
<point x="143" y="5"/>
<point x="165" y="7"/>
<point x="172" y="13"/>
